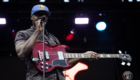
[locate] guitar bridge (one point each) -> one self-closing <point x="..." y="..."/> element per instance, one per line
<point x="41" y="55"/>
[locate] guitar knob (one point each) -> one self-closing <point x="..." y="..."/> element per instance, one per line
<point x="46" y="68"/>
<point x="46" y="64"/>
<point x="123" y="63"/>
<point x="50" y="65"/>
<point x="41" y="63"/>
<point x="128" y="64"/>
<point x="41" y="67"/>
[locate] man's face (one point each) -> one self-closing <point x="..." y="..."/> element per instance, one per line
<point x="38" y="15"/>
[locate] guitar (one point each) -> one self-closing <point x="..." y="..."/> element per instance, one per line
<point x="56" y="56"/>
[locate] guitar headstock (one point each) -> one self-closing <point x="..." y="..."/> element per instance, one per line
<point x="125" y="57"/>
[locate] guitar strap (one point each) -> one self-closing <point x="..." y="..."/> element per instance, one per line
<point x="54" y="40"/>
<point x="47" y="34"/>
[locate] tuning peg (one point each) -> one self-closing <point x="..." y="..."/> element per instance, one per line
<point x="120" y="51"/>
<point x="125" y="52"/>
<point x="123" y="63"/>
<point x="128" y="63"/>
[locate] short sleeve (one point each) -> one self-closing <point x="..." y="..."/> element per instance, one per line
<point x="20" y="37"/>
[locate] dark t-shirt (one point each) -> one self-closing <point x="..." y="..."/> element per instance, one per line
<point x="32" y="72"/>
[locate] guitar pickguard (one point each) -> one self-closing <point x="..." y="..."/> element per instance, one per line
<point x="59" y="62"/>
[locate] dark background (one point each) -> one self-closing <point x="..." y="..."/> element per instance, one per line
<point x="122" y="33"/>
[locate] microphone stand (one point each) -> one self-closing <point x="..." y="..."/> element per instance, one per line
<point x="43" y="25"/>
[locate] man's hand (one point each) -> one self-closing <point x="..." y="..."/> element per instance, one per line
<point x="76" y="60"/>
<point x="38" y="25"/>
<point x="92" y="54"/>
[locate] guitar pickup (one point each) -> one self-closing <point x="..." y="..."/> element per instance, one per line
<point x="60" y="55"/>
<point x="47" y="55"/>
<point x="41" y="55"/>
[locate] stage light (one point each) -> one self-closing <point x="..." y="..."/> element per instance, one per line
<point x="71" y="32"/>
<point x="100" y="14"/>
<point x="5" y="0"/>
<point x="122" y="0"/>
<point x="2" y="21"/>
<point x="81" y="20"/>
<point x="82" y="0"/>
<point x="13" y="33"/>
<point x="100" y="26"/>
<point x="130" y="0"/>
<point x="138" y="0"/>
<point x="41" y="0"/>
<point x="13" y="30"/>
<point x="71" y="35"/>
<point x="66" y="1"/>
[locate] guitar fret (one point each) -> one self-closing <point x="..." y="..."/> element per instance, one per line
<point x="76" y="55"/>
<point x="113" y="55"/>
<point x="79" y="55"/>
<point x="66" y="55"/>
<point x="69" y="56"/>
<point x="72" y="55"/>
<point x="88" y="56"/>
<point x="101" y="55"/>
<point x="108" y="55"/>
<point x="117" y="56"/>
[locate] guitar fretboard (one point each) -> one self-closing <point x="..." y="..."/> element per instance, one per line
<point x="79" y="55"/>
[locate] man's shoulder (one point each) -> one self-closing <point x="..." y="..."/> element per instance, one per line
<point x="24" y="31"/>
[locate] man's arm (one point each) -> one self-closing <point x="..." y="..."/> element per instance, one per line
<point x="24" y="48"/>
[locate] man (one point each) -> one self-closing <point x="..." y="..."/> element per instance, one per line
<point x="25" y="40"/>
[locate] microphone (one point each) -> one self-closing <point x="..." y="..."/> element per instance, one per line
<point x="43" y="19"/>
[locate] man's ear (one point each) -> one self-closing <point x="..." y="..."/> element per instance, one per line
<point x="31" y="17"/>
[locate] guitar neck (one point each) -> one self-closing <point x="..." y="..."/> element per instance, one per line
<point x="80" y="55"/>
